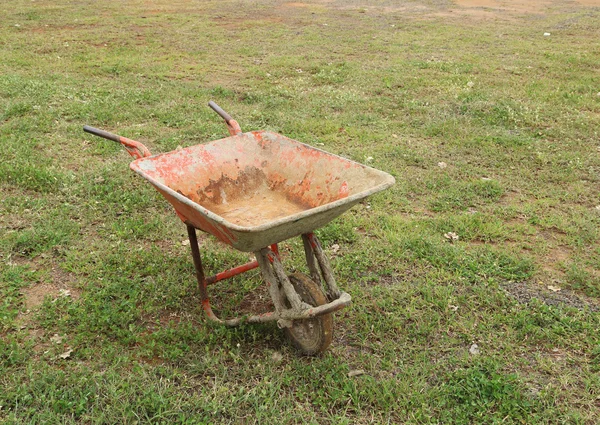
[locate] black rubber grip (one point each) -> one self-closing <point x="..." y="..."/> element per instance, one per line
<point x="220" y="111"/>
<point x="101" y="133"/>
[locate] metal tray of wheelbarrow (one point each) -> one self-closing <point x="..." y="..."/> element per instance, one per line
<point x="254" y="189"/>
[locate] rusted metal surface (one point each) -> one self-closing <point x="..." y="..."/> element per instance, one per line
<point x="200" y="273"/>
<point x="236" y="270"/>
<point x="135" y="149"/>
<point x="254" y="189"/>
<point x="234" y="128"/>
<point x="259" y="188"/>
<point x="231" y="272"/>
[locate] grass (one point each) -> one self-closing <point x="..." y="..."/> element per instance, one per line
<point x="93" y="260"/>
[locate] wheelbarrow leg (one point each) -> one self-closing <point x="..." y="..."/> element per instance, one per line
<point x="311" y="262"/>
<point x="202" y="285"/>
<point x="265" y="258"/>
<point x="301" y="304"/>
<point x="312" y="249"/>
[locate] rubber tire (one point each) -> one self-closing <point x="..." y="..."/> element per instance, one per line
<point x="310" y="336"/>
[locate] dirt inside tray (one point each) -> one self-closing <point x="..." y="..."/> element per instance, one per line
<point x="249" y="200"/>
<point x="261" y="206"/>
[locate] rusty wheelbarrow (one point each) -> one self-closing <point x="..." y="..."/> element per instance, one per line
<point x="251" y="191"/>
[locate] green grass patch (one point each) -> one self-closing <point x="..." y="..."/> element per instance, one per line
<point x="488" y="126"/>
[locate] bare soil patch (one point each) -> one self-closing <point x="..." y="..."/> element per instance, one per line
<point x="35" y="295"/>
<point x="511" y="9"/>
<point x="257" y="301"/>
<point x="60" y="285"/>
<point x="591" y="3"/>
<point x="522" y="6"/>
<point x="296" y="4"/>
<point x="477" y="8"/>
<point x="555" y="257"/>
<point x="524" y="292"/>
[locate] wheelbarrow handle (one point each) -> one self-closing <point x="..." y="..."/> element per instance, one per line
<point x="101" y="133"/>
<point x="232" y="125"/>
<point x="220" y="111"/>
<point x="135" y="149"/>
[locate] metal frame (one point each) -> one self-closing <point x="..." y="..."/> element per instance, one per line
<point x="280" y="287"/>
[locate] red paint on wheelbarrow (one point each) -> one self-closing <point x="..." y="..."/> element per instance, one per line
<point x="254" y="189"/>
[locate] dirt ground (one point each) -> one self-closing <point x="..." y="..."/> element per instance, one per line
<point x="484" y="9"/>
<point x="488" y="8"/>
<point x="530" y="6"/>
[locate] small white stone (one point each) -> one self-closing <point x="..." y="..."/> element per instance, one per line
<point x="451" y="236"/>
<point x="356" y="372"/>
<point x="66" y="354"/>
<point x="56" y="339"/>
<point x="474" y="350"/>
<point x="554" y="288"/>
<point x="546" y="34"/>
<point x="442" y="165"/>
<point x="64" y="293"/>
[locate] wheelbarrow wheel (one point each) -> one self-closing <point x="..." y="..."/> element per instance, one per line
<point x="310" y="336"/>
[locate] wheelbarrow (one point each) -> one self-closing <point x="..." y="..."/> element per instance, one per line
<point x="251" y="191"/>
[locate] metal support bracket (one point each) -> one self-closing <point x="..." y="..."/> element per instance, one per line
<point x="288" y="304"/>
<point x="312" y="248"/>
